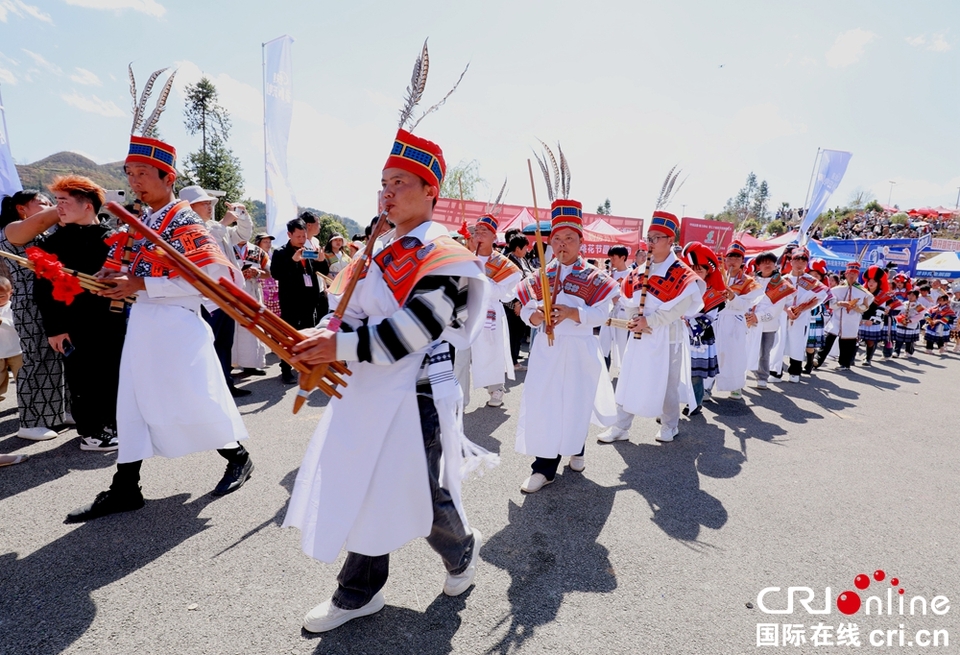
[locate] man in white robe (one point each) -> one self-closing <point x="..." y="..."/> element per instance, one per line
<point x="770" y="315"/>
<point x="567" y="386"/>
<point x="613" y="341"/>
<point x="490" y="361"/>
<point x="809" y="292"/>
<point x="732" y="331"/>
<point x="371" y="479"/>
<point x="655" y="376"/>
<point x="172" y="398"/>
<point x="850" y="300"/>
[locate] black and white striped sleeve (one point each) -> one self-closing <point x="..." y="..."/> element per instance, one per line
<point x="436" y="301"/>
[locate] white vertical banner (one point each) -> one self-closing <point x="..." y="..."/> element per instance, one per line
<point x="277" y="115"/>
<point x="9" y="179"/>
<point x="833" y="164"/>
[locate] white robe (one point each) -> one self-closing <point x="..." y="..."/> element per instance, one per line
<point x="795" y="331"/>
<point x="363" y="482"/>
<point x="172" y="399"/>
<point x="770" y="318"/>
<point x="733" y="341"/>
<point x="567" y="387"/>
<point x="846" y="323"/>
<point x="613" y="341"/>
<point x="249" y="351"/>
<point x="490" y="358"/>
<point x="642" y="386"/>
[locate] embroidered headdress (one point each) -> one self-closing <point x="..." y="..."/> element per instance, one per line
<point x="144" y="149"/>
<point x="419" y="156"/>
<point x="490" y="218"/>
<point x="564" y="213"/>
<point x="664" y="222"/>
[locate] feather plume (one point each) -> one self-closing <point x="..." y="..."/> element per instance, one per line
<point x="669" y="188"/>
<point x="494" y="207"/>
<point x="546" y="174"/>
<point x="133" y="89"/>
<point x="418" y="82"/>
<point x="565" y="171"/>
<point x="144" y="96"/>
<point x="556" y="171"/>
<point x="440" y="104"/>
<point x="161" y="105"/>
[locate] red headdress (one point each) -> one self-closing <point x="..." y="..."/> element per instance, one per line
<point x="697" y="254"/>
<point x="880" y="275"/>
<point x="820" y="266"/>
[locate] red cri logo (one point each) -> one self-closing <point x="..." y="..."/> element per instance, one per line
<point x="849" y="601"/>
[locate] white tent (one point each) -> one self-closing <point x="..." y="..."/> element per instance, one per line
<point x="945" y="265"/>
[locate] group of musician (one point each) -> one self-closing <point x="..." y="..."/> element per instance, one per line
<point x="419" y="319"/>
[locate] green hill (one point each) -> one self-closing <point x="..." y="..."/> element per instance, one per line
<point x="40" y="174"/>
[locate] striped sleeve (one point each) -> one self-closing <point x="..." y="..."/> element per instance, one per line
<point x="437" y="301"/>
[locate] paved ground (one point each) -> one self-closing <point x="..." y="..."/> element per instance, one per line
<point x="654" y="548"/>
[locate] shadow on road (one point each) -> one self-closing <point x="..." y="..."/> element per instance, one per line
<point x="49" y="465"/>
<point x="668" y="478"/>
<point x="46" y="605"/>
<point x="550" y="549"/>
<point x="398" y="630"/>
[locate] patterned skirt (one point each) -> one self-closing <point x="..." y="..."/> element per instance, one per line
<point x="703" y="359"/>
<point x="906" y="335"/>
<point x="871" y="332"/>
<point x="815" y="334"/>
<point x="271" y="295"/>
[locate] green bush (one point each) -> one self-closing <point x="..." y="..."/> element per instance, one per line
<point x="900" y="219"/>
<point x="830" y="231"/>
<point x="776" y="228"/>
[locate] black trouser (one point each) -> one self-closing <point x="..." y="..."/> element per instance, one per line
<point x="92" y="372"/>
<point x="547" y="466"/>
<point x="362" y="576"/>
<point x="907" y="345"/>
<point x="939" y="342"/>
<point x="223" y="328"/>
<point x="796" y="367"/>
<point x="518" y="330"/>
<point x="848" y="352"/>
<point x="127" y="477"/>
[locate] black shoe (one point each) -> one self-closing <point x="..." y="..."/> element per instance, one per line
<point x="866" y="362"/>
<point x="254" y="371"/>
<point x="696" y="410"/>
<point x="289" y="377"/>
<point x="776" y="375"/>
<point x="239" y="393"/>
<point x="107" y="502"/>
<point x="234" y="477"/>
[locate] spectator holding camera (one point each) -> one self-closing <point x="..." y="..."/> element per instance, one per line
<point x="302" y="299"/>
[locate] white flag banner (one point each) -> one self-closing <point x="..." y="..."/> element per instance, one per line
<point x="277" y="115"/>
<point x="833" y="164"/>
<point x="9" y="179"/>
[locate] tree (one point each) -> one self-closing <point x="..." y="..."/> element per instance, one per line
<point x="751" y="202"/>
<point x="204" y="116"/>
<point x="873" y="206"/>
<point x="214" y="166"/>
<point x="861" y="197"/>
<point x="466" y="174"/>
<point x="604" y="209"/>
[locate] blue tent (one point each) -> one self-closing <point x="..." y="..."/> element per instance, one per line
<point x="835" y="261"/>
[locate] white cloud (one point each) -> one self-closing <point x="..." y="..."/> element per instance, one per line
<point x="7" y="77"/>
<point x="94" y="105"/>
<point x="936" y="43"/>
<point x="22" y="9"/>
<point x="848" y="48"/>
<point x="85" y="77"/>
<point x="149" y="7"/>
<point x="940" y="43"/>
<point x="43" y="63"/>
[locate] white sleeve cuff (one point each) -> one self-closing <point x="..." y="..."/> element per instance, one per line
<point x="347" y="343"/>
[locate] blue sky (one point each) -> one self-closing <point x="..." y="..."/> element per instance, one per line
<point x="628" y="88"/>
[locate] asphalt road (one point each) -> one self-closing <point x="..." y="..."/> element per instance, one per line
<point x="653" y="549"/>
